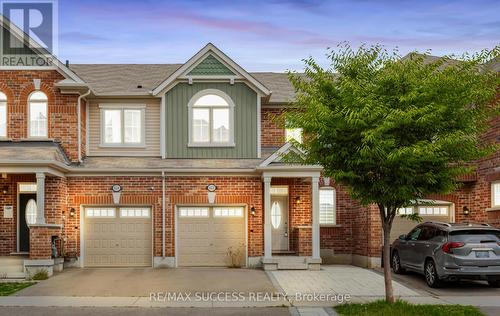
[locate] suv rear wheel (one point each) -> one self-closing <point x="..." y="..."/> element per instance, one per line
<point x="431" y="276"/>
<point x="396" y="263"/>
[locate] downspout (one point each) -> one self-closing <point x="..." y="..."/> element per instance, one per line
<point x="79" y="119"/>
<point x="163" y="215"/>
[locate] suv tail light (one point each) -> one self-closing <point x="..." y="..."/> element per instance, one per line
<point x="448" y="247"/>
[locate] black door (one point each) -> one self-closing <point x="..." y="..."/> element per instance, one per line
<point x="24" y="231"/>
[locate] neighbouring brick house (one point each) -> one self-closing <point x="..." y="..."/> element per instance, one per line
<point x="179" y="165"/>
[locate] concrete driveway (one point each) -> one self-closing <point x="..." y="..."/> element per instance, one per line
<point x="132" y="311"/>
<point x="469" y="288"/>
<point x="107" y="282"/>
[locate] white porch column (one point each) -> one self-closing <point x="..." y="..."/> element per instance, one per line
<point x="267" y="219"/>
<point x="40" y="198"/>
<point x="315" y="218"/>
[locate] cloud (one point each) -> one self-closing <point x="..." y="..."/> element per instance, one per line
<point x="81" y="37"/>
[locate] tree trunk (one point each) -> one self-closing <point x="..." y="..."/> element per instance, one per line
<point x="389" y="292"/>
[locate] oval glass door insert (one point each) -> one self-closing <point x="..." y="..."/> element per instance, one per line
<point x="276" y="215"/>
<point x="31" y="212"/>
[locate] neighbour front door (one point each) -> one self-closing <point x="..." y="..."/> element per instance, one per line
<point x="279" y="222"/>
<point x="24" y="231"/>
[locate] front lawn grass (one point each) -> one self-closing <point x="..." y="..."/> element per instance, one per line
<point x="8" y="288"/>
<point x="381" y="308"/>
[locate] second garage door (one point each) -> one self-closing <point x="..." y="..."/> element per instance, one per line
<point x="436" y="212"/>
<point x="211" y="236"/>
<point x="117" y="237"/>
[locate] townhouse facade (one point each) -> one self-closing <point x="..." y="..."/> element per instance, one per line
<point x="173" y="165"/>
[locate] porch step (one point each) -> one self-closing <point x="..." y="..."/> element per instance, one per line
<point x="12" y="260"/>
<point x="284" y="253"/>
<point x="12" y="267"/>
<point x="13" y="275"/>
<point x="291" y="263"/>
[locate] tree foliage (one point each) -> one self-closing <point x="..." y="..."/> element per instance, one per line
<point x="394" y="129"/>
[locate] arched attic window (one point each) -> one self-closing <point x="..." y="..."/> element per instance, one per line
<point x="211" y="119"/>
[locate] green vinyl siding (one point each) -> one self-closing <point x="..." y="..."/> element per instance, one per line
<point x="210" y="66"/>
<point x="245" y="122"/>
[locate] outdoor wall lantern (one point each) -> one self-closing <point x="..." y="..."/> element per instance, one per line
<point x="117" y="192"/>
<point x="211" y="193"/>
<point x="252" y="211"/>
<point x="72" y="212"/>
<point x="297" y="200"/>
<point x="5" y="189"/>
<point x="466" y="210"/>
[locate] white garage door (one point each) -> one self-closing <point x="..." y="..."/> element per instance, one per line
<point x="117" y="237"/>
<point x="429" y="213"/>
<point x="211" y="236"/>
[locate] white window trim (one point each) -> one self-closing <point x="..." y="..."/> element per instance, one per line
<point x="334" y="206"/>
<point x="29" y="118"/>
<point x="494" y="204"/>
<point x="6" y="116"/>
<point x="229" y="101"/>
<point x="122" y="107"/>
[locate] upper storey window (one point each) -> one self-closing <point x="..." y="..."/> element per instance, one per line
<point x="122" y="125"/>
<point x="3" y="115"/>
<point x="38" y="115"/>
<point x="211" y="119"/>
<point x="293" y="134"/>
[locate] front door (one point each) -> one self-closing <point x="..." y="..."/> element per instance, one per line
<point x="24" y="231"/>
<point x="279" y="222"/>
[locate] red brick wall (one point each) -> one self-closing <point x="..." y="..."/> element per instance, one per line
<point x="340" y="237"/>
<point x="41" y="241"/>
<point x="18" y="85"/>
<point x="272" y="134"/>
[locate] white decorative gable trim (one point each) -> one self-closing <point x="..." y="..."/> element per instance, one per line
<point x="211" y="49"/>
<point x="278" y="155"/>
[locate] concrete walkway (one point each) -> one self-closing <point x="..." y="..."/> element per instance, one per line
<point x="342" y="284"/>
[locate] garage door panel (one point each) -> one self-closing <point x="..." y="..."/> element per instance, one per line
<point x="402" y="226"/>
<point x="205" y="241"/>
<point x="115" y="241"/>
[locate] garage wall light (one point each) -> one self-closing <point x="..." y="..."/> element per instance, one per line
<point x="252" y="211"/>
<point x="466" y="210"/>
<point x="297" y="200"/>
